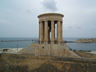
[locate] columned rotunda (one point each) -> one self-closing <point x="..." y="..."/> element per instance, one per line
<point x="50" y="28"/>
<point x="50" y="38"/>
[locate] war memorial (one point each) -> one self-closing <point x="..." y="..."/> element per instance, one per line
<point x="50" y="44"/>
<point x="47" y="25"/>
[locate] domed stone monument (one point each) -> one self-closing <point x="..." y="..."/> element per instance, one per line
<point x="47" y="28"/>
<point x="48" y="44"/>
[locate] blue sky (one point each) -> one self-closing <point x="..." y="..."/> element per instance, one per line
<point x="18" y="18"/>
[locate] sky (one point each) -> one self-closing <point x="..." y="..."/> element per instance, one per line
<point x="18" y="18"/>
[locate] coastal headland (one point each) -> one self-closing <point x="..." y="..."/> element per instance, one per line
<point x="88" y="40"/>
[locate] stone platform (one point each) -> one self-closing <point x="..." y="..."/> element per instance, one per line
<point x="49" y="50"/>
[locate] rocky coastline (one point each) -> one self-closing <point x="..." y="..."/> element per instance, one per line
<point x="89" y="40"/>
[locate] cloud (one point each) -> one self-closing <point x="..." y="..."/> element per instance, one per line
<point x="3" y="21"/>
<point x="50" y="5"/>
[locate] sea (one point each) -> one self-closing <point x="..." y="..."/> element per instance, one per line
<point x="25" y="42"/>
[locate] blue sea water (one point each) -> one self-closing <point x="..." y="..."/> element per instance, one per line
<point x="16" y="42"/>
<point x="25" y="42"/>
<point x="82" y="46"/>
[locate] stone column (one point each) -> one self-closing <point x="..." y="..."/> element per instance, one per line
<point x="58" y="32"/>
<point x="61" y="31"/>
<point x="40" y="32"/>
<point x="52" y="32"/>
<point x="46" y="32"/>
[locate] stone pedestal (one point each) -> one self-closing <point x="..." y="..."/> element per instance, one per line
<point x="49" y="50"/>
